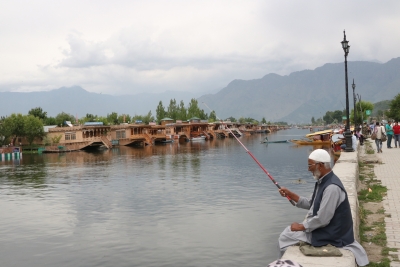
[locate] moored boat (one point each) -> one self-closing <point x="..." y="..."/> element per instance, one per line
<point x="197" y="138"/>
<point x="269" y="142"/>
<point x="309" y="142"/>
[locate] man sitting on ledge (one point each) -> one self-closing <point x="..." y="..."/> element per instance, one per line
<point x="328" y="220"/>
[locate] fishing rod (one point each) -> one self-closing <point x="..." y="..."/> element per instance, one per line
<point x="252" y="156"/>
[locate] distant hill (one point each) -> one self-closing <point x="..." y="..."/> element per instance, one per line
<point x="77" y="101"/>
<point x="293" y="98"/>
<point x="381" y="105"/>
<point x="297" y="97"/>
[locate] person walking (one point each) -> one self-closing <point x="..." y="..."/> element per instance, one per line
<point x="378" y="130"/>
<point x="396" y="131"/>
<point x="389" y="134"/>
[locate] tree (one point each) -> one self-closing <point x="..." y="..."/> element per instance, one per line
<point x="194" y="110"/>
<point x="39" y="113"/>
<point x="212" y="117"/>
<point x="90" y="118"/>
<point x="33" y="128"/>
<point x="50" y="121"/>
<point x="394" y="111"/>
<point x="160" y="112"/>
<point x="361" y="107"/>
<point x="312" y="120"/>
<point x="145" y="119"/>
<point x="14" y="126"/>
<point x="113" y="118"/>
<point x="172" y="110"/>
<point x="5" y="132"/>
<point x="263" y="121"/>
<point x="182" y="112"/>
<point x="232" y="119"/>
<point x="62" y="117"/>
<point x="124" y="118"/>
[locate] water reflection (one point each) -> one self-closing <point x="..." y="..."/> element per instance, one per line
<point x="178" y="204"/>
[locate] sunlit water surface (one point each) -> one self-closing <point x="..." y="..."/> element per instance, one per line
<point x="182" y="204"/>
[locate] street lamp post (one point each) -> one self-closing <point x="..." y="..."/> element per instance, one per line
<point x="347" y="133"/>
<point x="355" y="101"/>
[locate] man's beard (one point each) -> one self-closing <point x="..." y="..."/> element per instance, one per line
<point x="316" y="174"/>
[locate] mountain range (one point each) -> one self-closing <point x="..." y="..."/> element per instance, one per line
<point x="293" y="98"/>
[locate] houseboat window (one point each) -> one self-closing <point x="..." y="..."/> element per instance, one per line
<point x="70" y="136"/>
<point x="168" y="130"/>
<point x="121" y="134"/>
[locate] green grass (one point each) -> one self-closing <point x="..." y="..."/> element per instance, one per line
<point x="377" y="194"/>
<point x="376" y="232"/>
<point x="385" y="251"/>
<point x="381" y="211"/>
<point x="384" y="263"/>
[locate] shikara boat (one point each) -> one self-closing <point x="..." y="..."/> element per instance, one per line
<point x="310" y="142"/>
<point x="269" y="142"/>
<point x="319" y="134"/>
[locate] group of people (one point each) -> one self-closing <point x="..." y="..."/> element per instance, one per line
<point x="392" y="132"/>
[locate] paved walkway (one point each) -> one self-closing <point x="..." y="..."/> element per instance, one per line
<point x="389" y="173"/>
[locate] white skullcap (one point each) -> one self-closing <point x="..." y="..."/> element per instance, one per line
<point x="320" y="155"/>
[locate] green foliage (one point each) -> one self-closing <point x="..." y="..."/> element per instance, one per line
<point x="182" y="112"/>
<point x="212" y="117"/>
<point x="172" y="110"/>
<point x="62" y="117"/>
<point x="375" y="195"/>
<point x="46" y="140"/>
<point x="263" y="121"/>
<point x="394" y="111"/>
<point x="56" y="139"/>
<point x="39" y="113"/>
<point x="312" y="120"/>
<point x="361" y="108"/>
<point x="90" y="118"/>
<point x="5" y="131"/>
<point x="193" y="110"/>
<point x="333" y="116"/>
<point x="232" y="119"/>
<point x="50" y="121"/>
<point x="16" y="124"/>
<point x="33" y="128"/>
<point x="124" y="118"/>
<point x="145" y="119"/>
<point x="113" y="118"/>
<point x="160" y="112"/>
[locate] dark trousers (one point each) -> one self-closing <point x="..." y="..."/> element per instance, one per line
<point x="389" y="140"/>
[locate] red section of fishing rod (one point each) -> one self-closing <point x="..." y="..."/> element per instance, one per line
<point x="260" y="165"/>
<point x="252" y="156"/>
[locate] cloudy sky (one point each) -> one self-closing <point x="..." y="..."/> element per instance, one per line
<point x="133" y="46"/>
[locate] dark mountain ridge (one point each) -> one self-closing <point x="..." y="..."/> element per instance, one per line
<point x="294" y="98"/>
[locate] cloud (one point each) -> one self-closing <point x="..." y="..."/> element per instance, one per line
<point x="142" y="46"/>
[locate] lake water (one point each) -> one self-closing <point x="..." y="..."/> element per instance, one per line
<point x="203" y="203"/>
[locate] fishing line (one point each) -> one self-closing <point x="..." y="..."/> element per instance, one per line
<point x="251" y="155"/>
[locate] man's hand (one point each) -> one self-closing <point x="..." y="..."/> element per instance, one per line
<point x="297" y="227"/>
<point x="287" y="193"/>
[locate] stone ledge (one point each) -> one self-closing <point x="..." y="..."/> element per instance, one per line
<point x="346" y="168"/>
